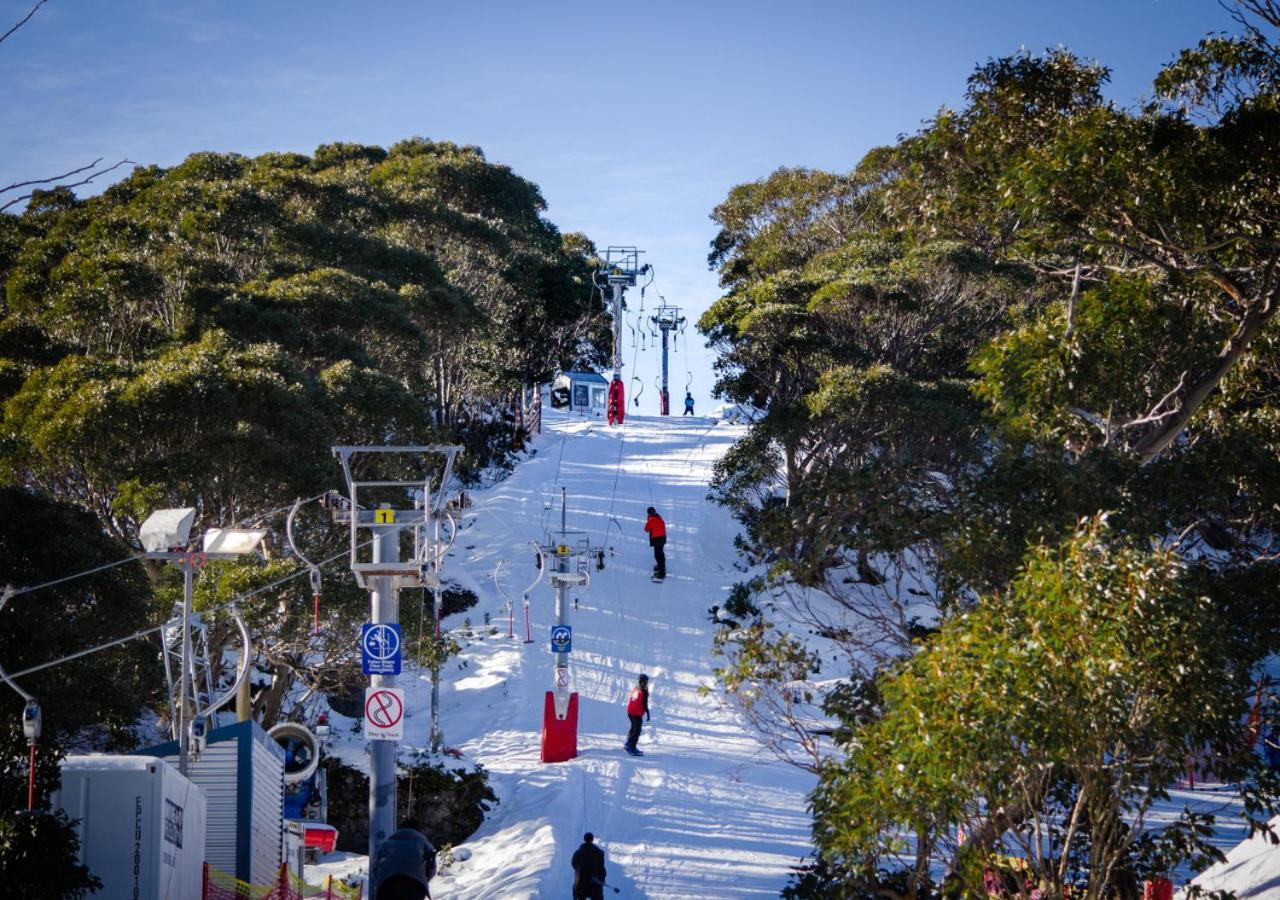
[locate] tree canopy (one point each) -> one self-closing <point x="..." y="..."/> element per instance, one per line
<point x="1039" y="309"/>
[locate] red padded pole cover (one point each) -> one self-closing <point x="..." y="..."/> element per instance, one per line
<point x="559" y="736"/>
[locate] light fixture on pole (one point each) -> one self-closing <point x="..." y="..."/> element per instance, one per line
<point x="165" y="536"/>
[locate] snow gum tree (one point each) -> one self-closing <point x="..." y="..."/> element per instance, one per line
<point x="201" y="335"/>
<point x="1037" y="309"/>
<point x="1066" y="704"/>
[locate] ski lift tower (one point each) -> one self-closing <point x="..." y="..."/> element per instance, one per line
<point x="620" y="271"/>
<point x="573" y="553"/>
<point x="390" y="508"/>
<point x="668" y="319"/>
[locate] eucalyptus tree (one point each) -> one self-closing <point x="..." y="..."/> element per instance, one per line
<point x="1037" y="308"/>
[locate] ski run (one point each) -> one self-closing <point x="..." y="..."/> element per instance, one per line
<point x="707" y="811"/>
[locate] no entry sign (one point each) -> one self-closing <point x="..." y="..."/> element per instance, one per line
<point x="384" y="714"/>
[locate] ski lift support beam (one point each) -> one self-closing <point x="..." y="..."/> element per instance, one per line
<point x="411" y="573"/>
<point x="620" y="271"/>
<point x="667" y="319"/>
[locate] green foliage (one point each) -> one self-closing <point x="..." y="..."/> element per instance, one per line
<point x="203" y="335"/>
<point x="1039" y="307"/>
<point x="973" y="722"/>
<point x="38" y="853"/>
<point x="39" y="541"/>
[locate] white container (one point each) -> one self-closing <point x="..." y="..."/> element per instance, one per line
<point x="141" y="825"/>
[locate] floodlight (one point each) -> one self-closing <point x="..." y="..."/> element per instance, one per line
<point x="232" y="541"/>
<point x="166" y="528"/>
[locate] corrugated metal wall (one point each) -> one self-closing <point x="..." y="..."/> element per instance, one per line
<point x="268" y="814"/>
<point x="215" y="773"/>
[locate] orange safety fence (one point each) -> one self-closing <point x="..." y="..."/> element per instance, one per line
<point x="219" y="885"/>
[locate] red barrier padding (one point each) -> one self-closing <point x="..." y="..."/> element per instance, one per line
<point x="617" y="402"/>
<point x="323" y="836"/>
<point x="559" y="736"/>
<point x="1157" y="889"/>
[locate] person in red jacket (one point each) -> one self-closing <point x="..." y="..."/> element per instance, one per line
<point x="637" y="707"/>
<point x="657" y="530"/>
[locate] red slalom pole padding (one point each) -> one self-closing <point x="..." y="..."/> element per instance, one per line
<point x="1157" y="889"/>
<point x="617" y="402"/>
<point x="559" y="735"/>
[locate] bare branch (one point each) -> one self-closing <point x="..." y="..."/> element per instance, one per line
<point x="22" y="184"/>
<point x="83" y="181"/>
<point x="24" y="20"/>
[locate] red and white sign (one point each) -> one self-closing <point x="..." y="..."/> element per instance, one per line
<point x="384" y="714"/>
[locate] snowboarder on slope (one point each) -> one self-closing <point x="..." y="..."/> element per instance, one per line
<point x="404" y="865"/>
<point x="657" y="530"/>
<point x="588" y="870"/>
<point x="688" y="403"/>
<point x="637" y="707"/>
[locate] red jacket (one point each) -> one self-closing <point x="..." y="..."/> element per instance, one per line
<point x="655" y="526"/>
<point x="638" y="703"/>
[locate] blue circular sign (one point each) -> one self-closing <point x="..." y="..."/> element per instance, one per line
<point x="381" y="642"/>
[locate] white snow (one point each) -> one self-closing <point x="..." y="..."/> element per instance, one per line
<point x="1251" y="870"/>
<point x="707" y="812"/>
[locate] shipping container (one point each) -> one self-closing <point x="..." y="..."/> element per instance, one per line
<point x="141" y="825"/>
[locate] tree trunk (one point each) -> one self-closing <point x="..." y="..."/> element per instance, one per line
<point x="1191" y="397"/>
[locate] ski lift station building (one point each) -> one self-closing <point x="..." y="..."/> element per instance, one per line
<point x="587" y="392"/>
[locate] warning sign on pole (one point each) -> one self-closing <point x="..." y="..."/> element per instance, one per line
<point x="384" y="714"/>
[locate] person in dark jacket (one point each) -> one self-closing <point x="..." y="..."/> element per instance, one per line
<point x="588" y="870"/>
<point x="688" y="403"/>
<point x="404" y="865"/>
<point x="657" y="531"/>
<point x="637" y="707"/>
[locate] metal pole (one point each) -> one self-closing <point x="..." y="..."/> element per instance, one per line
<point x="184" y="738"/>
<point x="437" y="603"/>
<point x="385" y="603"/>
<point x="562" y="566"/>
<point x="617" y="330"/>
<point x="665" y="402"/>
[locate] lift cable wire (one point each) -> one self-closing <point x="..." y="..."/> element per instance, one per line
<point x="227" y="604"/>
<point x="10" y="592"/>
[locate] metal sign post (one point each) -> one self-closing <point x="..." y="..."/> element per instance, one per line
<point x="383" y="574"/>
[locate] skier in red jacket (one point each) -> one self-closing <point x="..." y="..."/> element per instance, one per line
<point x="657" y="530"/>
<point x="637" y="707"/>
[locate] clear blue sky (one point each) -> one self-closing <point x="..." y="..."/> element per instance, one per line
<point x="634" y="119"/>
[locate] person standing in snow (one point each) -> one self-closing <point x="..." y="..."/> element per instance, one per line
<point x="637" y="709"/>
<point x="657" y="530"/>
<point x="588" y="870"/>
<point x="688" y="403"/>
<point x="404" y="865"/>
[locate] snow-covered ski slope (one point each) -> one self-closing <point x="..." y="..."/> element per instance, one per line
<point x="706" y="813"/>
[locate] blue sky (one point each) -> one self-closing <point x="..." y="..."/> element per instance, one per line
<point x="635" y="120"/>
